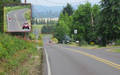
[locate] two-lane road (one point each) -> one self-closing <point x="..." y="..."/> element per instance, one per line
<point x="15" y="20"/>
<point x="65" y="60"/>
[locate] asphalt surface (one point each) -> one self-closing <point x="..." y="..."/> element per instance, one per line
<point x="15" y="20"/>
<point x="66" y="60"/>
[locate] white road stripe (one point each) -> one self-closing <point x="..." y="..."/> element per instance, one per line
<point x="48" y="63"/>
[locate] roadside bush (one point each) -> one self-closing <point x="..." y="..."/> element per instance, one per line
<point x="82" y="42"/>
<point x="14" y="51"/>
<point x="9" y="45"/>
<point x="117" y="42"/>
<point x="55" y="40"/>
<point x="40" y="37"/>
<point x="32" y="36"/>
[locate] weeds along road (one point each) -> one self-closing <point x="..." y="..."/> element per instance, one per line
<point x="16" y="19"/>
<point x="66" y="60"/>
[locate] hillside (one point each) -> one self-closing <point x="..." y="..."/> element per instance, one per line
<point x="47" y="11"/>
<point x="14" y="53"/>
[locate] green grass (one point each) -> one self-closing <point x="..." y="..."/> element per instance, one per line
<point x="37" y="26"/>
<point x="115" y="50"/>
<point x="73" y="44"/>
<point x="8" y="9"/>
<point x="32" y="35"/>
<point x="113" y="46"/>
<point x="91" y="46"/>
<point x="13" y="52"/>
<point x="85" y="46"/>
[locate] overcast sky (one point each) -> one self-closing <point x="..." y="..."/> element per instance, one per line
<point x="59" y="2"/>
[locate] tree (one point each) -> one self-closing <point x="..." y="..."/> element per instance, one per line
<point x="95" y="17"/>
<point x="62" y="27"/>
<point x="85" y="20"/>
<point x="68" y="9"/>
<point x="109" y="28"/>
<point x="82" y="21"/>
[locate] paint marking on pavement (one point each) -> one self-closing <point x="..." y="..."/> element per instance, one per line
<point x="17" y="21"/>
<point x="48" y="64"/>
<point x="110" y="63"/>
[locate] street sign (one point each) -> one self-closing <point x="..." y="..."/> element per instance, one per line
<point x="75" y="31"/>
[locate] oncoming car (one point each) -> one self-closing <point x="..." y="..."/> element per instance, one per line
<point x="25" y="26"/>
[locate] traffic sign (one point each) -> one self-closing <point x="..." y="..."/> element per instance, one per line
<point x="75" y="31"/>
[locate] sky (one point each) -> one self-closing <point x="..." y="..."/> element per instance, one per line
<point x="59" y="2"/>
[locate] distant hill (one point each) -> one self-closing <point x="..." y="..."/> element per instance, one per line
<point x="47" y="11"/>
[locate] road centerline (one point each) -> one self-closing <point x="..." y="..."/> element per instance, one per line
<point x="105" y="61"/>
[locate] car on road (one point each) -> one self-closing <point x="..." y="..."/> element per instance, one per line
<point x="26" y="26"/>
<point x="50" y="41"/>
<point x="67" y="39"/>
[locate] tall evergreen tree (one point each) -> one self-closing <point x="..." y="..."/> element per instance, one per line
<point x="68" y="9"/>
<point x="109" y="28"/>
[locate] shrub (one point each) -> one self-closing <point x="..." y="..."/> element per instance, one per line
<point x="82" y="42"/>
<point x="9" y="45"/>
<point x="117" y="42"/>
<point x="55" y="40"/>
<point x="32" y="36"/>
<point x="14" y="51"/>
<point x="40" y="37"/>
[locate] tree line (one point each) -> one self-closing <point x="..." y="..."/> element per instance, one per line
<point x="99" y="23"/>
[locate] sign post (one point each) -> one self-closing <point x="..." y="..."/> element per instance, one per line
<point x="25" y="32"/>
<point x="75" y="32"/>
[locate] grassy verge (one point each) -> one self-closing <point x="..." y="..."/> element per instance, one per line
<point x="73" y="44"/>
<point x="112" y="46"/>
<point x="91" y="46"/>
<point x="8" y="9"/>
<point x="16" y="54"/>
<point x="37" y="26"/>
<point x="97" y="47"/>
<point x="116" y="50"/>
<point x="85" y="46"/>
<point x="32" y="35"/>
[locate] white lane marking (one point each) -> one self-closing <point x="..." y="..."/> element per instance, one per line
<point x="48" y="63"/>
<point x="17" y="21"/>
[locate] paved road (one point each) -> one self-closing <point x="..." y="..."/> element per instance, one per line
<point x="16" y="19"/>
<point x="66" y="60"/>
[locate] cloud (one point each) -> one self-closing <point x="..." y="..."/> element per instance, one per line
<point x="59" y="2"/>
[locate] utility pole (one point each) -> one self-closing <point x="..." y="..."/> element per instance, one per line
<point x="25" y="1"/>
<point x="25" y="32"/>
